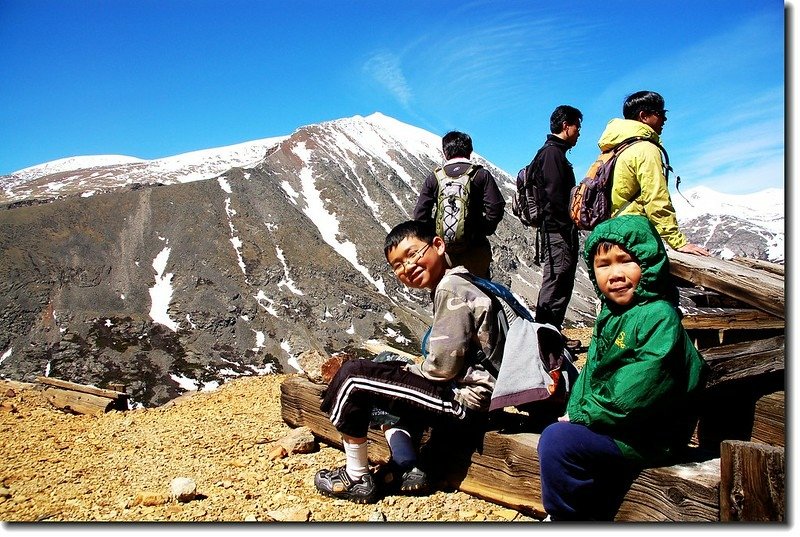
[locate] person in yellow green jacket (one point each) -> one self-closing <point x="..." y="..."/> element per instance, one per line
<point x="635" y="401"/>
<point x="639" y="180"/>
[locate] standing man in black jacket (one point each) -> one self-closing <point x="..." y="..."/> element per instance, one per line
<point x="486" y="204"/>
<point x="559" y="236"/>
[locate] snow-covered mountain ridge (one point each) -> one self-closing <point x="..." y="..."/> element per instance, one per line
<point x="86" y="175"/>
<point x="765" y="208"/>
<point x="376" y="133"/>
<point x="232" y="261"/>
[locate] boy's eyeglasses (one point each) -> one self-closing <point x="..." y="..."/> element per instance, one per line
<point x="412" y="260"/>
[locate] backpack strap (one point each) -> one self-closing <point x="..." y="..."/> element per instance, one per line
<point x="441" y="175"/>
<point x="497" y="290"/>
<point x="424" y="345"/>
<point x="625" y="144"/>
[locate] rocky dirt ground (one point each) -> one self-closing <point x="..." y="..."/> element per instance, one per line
<point x="118" y="466"/>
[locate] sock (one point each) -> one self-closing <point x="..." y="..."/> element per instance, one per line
<point x="356" y="463"/>
<point x="401" y="447"/>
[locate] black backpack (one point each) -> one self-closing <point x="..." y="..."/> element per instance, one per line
<point x="527" y="201"/>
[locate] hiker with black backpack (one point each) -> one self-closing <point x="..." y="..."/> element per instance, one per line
<point x="464" y="202"/>
<point x="639" y="181"/>
<point x="548" y="180"/>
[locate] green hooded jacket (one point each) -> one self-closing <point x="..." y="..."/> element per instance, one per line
<point x="639" y="176"/>
<point x="642" y="374"/>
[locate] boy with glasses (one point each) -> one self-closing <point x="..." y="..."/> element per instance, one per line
<point x="448" y="387"/>
<point x="639" y="179"/>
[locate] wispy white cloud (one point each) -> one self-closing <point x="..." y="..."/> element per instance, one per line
<point x="505" y="63"/>
<point x="724" y="131"/>
<point x="745" y="159"/>
<point x="384" y="67"/>
<point x="498" y="64"/>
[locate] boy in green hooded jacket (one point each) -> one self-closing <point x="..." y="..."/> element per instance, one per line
<point x="634" y="403"/>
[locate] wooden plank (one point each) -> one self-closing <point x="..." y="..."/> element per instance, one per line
<point x="748" y="359"/>
<point x="505" y="468"/>
<point x="79" y="402"/>
<point x="774" y="268"/>
<point x="758" y="288"/>
<point x="730" y="319"/>
<point x="752" y="482"/>
<point x="769" y="423"/>
<point x="680" y="493"/>
<point x="83" y="388"/>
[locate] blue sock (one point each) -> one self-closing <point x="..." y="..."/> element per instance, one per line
<point x="401" y="447"/>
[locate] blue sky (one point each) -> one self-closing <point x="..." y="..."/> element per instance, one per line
<point x="154" y="78"/>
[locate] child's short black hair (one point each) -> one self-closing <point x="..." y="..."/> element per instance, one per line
<point x="604" y="246"/>
<point x="410" y="228"/>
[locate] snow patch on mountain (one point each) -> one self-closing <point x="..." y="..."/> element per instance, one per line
<point x="327" y="223"/>
<point x="765" y="208"/>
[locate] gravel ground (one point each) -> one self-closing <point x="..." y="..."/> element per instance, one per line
<point x="118" y="466"/>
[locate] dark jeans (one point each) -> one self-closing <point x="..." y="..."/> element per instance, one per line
<point x="559" y="263"/>
<point x="584" y="474"/>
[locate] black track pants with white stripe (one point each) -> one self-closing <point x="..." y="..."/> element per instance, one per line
<point x="361" y="385"/>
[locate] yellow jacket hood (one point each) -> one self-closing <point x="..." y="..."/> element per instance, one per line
<point x="639" y="184"/>
<point x="618" y="130"/>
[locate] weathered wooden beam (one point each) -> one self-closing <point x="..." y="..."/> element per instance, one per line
<point x="78" y="402"/>
<point x="58" y="383"/>
<point x="681" y="493"/>
<point x="769" y="424"/>
<point x="759" y="264"/>
<point x="730" y="319"/>
<point x="760" y="289"/>
<point x="505" y="468"/>
<point x="81" y="398"/>
<point x="752" y="482"/>
<point x="748" y="359"/>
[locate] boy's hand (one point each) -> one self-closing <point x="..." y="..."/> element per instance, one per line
<point x="475" y="397"/>
<point x="565" y="417"/>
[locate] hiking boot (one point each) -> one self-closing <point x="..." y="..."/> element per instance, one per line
<point x="338" y="484"/>
<point x="414" y="481"/>
<point x="411" y="481"/>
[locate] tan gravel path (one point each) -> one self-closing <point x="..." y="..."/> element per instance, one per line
<point x="118" y="466"/>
